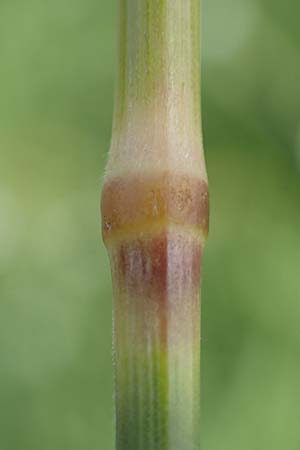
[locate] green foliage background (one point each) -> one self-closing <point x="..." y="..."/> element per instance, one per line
<point x="56" y="94"/>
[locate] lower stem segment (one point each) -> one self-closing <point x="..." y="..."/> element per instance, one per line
<point x="157" y="339"/>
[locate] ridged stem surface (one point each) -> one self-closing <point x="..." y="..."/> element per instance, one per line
<point x="155" y="222"/>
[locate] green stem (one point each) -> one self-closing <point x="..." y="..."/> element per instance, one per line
<point x="155" y="221"/>
<point x="159" y="57"/>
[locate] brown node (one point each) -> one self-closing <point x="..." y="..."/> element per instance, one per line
<point x="136" y="202"/>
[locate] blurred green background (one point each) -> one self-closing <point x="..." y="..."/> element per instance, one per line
<point x="56" y="93"/>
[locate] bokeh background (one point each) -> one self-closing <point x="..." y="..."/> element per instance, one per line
<point x="56" y="93"/>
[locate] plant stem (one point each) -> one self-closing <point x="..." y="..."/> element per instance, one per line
<point x="155" y="222"/>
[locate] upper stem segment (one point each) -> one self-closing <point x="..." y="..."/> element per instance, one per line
<point x="159" y="54"/>
<point x="157" y="110"/>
